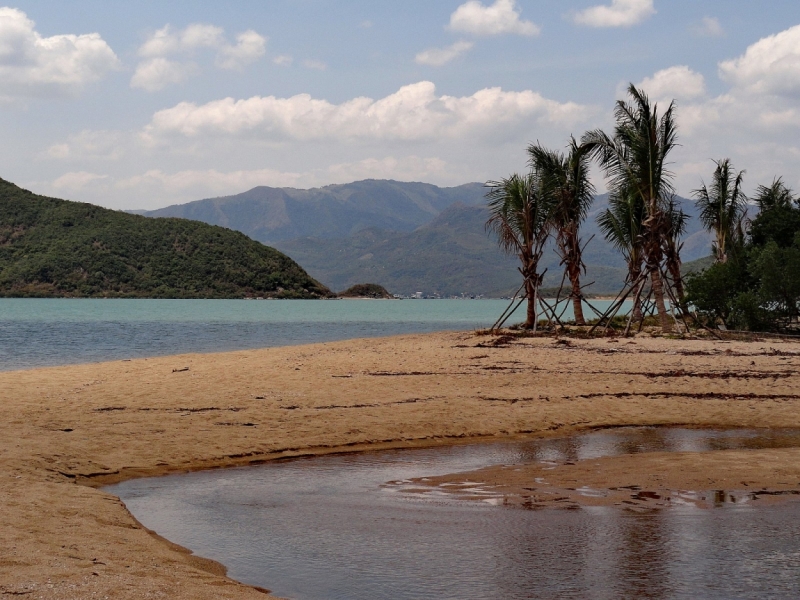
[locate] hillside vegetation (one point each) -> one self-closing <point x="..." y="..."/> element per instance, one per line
<point x="366" y="290"/>
<point x="57" y="248"/>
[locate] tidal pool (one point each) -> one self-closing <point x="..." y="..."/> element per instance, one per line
<point x="329" y="528"/>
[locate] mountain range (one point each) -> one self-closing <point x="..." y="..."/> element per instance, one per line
<point x="271" y="215"/>
<point x="407" y="237"/>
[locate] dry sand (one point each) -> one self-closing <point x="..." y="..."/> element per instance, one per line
<point x="68" y="430"/>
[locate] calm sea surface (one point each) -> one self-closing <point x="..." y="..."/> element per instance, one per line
<point x="328" y="528"/>
<point x="45" y="332"/>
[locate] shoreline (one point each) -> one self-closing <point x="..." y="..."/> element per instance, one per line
<point x="98" y="423"/>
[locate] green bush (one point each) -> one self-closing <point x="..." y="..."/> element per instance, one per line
<point x="758" y="289"/>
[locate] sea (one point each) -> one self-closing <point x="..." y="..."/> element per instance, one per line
<point x="49" y="332"/>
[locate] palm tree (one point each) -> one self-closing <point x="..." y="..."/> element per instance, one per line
<point x="622" y="224"/>
<point x="635" y="160"/>
<point x="776" y="195"/>
<point x="722" y="208"/>
<point x="565" y="180"/>
<point x="520" y="216"/>
<point x="677" y="220"/>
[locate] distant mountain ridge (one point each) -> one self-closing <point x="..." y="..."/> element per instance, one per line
<point x="454" y="255"/>
<point x="336" y="211"/>
<point x="407" y="237"/>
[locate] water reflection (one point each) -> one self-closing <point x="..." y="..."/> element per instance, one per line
<point x="327" y="528"/>
<point x="644" y="556"/>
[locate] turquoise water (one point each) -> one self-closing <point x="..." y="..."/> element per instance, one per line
<point x="468" y="312"/>
<point x="47" y="332"/>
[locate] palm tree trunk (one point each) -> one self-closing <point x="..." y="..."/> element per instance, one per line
<point x="658" y="293"/>
<point x="530" y="292"/>
<point x="722" y="255"/>
<point x="633" y="275"/>
<point x="675" y="272"/>
<point x="637" y="308"/>
<point x="577" y="304"/>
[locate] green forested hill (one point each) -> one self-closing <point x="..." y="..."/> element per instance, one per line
<point x="51" y="247"/>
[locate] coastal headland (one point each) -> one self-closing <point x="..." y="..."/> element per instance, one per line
<point x="67" y="431"/>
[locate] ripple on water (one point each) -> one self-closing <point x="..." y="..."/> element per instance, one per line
<point x="347" y="527"/>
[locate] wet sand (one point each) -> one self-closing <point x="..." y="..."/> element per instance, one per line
<point x="636" y="482"/>
<point x="68" y="430"/>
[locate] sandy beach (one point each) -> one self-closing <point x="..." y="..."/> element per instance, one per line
<point x="67" y="431"/>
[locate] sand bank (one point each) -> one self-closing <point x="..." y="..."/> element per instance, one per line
<point x="635" y="481"/>
<point x="68" y="430"/>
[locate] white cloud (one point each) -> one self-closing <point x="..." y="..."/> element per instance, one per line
<point x="709" y="27"/>
<point x="436" y="57"/>
<point x="90" y="145"/>
<point x="414" y="112"/>
<point x="212" y="181"/>
<point x="32" y="65"/>
<point x="156" y="71"/>
<point x="156" y="187"/>
<point x="499" y="18"/>
<point x="678" y="82"/>
<point x="284" y="60"/>
<point x="249" y="47"/>
<point x="199" y="183"/>
<point x="408" y="168"/>
<point x="755" y="122"/>
<point x="770" y="66"/>
<point x="192" y="151"/>
<point x="72" y="182"/>
<point x="621" y="13"/>
<point x="316" y="65"/>
<point x="165" y="41"/>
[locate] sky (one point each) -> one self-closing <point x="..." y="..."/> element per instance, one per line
<point x="146" y="104"/>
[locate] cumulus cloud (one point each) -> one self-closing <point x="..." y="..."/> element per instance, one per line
<point x="156" y="71"/>
<point x="200" y="150"/>
<point x="198" y="183"/>
<point x="32" y="65"/>
<point x="414" y="112"/>
<point x="755" y="122"/>
<point x="402" y="169"/>
<point x="157" y="187"/>
<point x="436" y="57"/>
<point x="678" y="82"/>
<point x="249" y="47"/>
<point x="621" y="13"/>
<point x="709" y="27"/>
<point x="166" y="41"/>
<point x="770" y="66"/>
<point x="283" y="60"/>
<point x="72" y="182"/>
<point x="316" y="65"/>
<point x="89" y="145"/>
<point x="499" y="18"/>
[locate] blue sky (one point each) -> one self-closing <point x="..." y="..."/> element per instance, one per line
<point x="140" y="105"/>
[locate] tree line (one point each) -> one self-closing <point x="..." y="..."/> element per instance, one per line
<point x="754" y="282"/>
